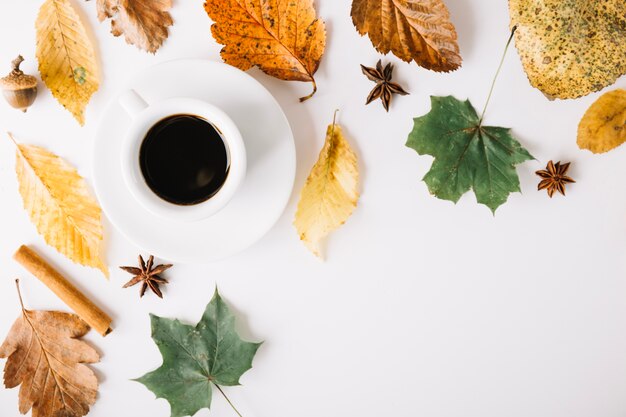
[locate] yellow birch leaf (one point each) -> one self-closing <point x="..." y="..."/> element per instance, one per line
<point x="603" y="127"/>
<point x="330" y="193"/>
<point x="60" y="206"/>
<point x="67" y="60"/>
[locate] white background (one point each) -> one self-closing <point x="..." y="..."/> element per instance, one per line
<point x="422" y="308"/>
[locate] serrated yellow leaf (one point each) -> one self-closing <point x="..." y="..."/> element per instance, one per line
<point x="330" y="193"/>
<point x="60" y="206"/>
<point x="67" y="61"/>
<point x="603" y="127"/>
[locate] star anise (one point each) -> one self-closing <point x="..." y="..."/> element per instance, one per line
<point x="147" y="275"/>
<point x="554" y="178"/>
<point x="385" y="89"/>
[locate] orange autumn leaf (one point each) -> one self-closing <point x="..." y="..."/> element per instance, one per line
<point x="413" y="30"/>
<point x="285" y="39"/>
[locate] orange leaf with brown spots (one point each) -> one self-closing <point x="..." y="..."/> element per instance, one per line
<point x="284" y="38"/>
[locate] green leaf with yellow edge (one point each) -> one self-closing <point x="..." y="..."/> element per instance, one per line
<point x="467" y="154"/>
<point x="196" y="358"/>
<point x="570" y="48"/>
<point x="603" y="127"/>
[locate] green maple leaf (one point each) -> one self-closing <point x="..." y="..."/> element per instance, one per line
<point x="467" y="154"/>
<point x="197" y="357"/>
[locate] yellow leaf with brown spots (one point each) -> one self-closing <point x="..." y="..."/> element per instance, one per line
<point x="603" y="127"/>
<point x="67" y="61"/>
<point x="284" y="38"/>
<point x="570" y="48"/>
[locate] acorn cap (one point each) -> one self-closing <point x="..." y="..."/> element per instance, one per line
<point x="17" y="80"/>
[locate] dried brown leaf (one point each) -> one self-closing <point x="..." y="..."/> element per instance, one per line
<point x="144" y="23"/>
<point x="418" y="30"/>
<point x="47" y="360"/>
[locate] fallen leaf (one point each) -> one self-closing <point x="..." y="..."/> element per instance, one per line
<point x="60" y="205"/>
<point x="196" y="358"/>
<point x="47" y="360"/>
<point x="283" y="38"/>
<point x="603" y="127"/>
<point x="570" y="48"/>
<point x="67" y="61"/>
<point x="330" y="193"/>
<point x="418" y="30"/>
<point x="143" y="23"/>
<point x="467" y="154"/>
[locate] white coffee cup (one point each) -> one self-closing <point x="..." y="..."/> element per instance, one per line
<point x="145" y="116"/>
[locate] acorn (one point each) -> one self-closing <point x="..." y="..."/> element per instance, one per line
<point x="19" y="89"/>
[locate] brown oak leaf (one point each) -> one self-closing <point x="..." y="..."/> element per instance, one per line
<point x="418" y="30"/>
<point x="143" y="23"/>
<point x="45" y="357"/>
<point x="284" y="38"/>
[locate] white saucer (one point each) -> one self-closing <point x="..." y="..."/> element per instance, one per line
<point x="262" y="197"/>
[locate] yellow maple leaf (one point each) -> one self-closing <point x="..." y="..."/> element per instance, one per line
<point x="603" y="127"/>
<point x="67" y="61"/>
<point x="330" y="193"/>
<point x="60" y="206"/>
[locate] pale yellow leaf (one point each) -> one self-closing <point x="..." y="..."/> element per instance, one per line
<point x="331" y="191"/>
<point x="60" y="206"/>
<point x="67" y="60"/>
<point x="603" y="127"/>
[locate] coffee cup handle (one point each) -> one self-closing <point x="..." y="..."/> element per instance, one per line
<point x="132" y="103"/>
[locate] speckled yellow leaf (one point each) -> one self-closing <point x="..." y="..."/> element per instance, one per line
<point x="603" y="127"/>
<point x="570" y="48"/>
<point x="60" y="205"/>
<point x="284" y="38"/>
<point x="67" y="61"/>
<point x="330" y="193"/>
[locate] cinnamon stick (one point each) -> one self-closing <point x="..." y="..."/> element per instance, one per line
<point x="68" y="293"/>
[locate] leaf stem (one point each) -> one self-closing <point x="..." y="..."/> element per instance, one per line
<point x="19" y="293"/>
<point x="305" y="98"/>
<point x="228" y="400"/>
<point x="493" y="83"/>
<point x="12" y="138"/>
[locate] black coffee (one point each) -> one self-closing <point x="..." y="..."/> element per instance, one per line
<point x="184" y="160"/>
